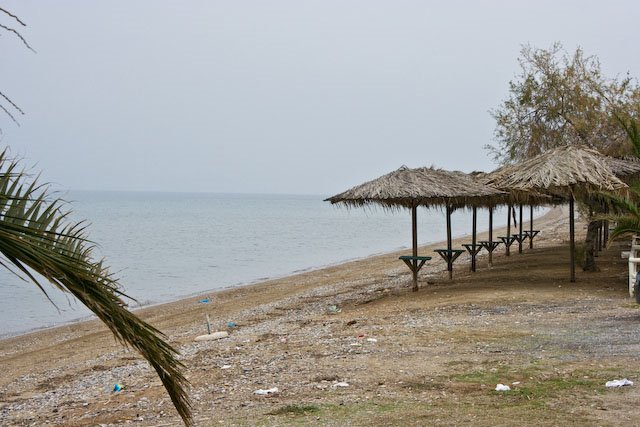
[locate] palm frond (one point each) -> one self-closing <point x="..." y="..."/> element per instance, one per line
<point x="625" y="226"/>
<point x="36" y="236"/>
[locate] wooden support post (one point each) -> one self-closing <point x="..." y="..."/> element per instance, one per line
<point x="572" y="241"/>
<point x="473" y="240"/>
<point x="606" y="228"/>
<point x="600" y="233"/>
<point x="531" y="227"/>
<point x="491" y="236"/>
<point x="520" y="231"/>
<point x="508" y="228"/>
<point x="450" y="263"/>
<point x="414" y="233"/>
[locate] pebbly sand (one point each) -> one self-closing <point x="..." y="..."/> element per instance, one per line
<point x="352" y="345"/>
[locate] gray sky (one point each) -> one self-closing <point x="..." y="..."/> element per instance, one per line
<point x="296" y="96"/>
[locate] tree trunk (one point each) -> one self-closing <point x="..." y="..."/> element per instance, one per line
<point x="591" y="246"/>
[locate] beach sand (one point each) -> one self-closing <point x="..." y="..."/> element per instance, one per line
<point x="352" y="345"/>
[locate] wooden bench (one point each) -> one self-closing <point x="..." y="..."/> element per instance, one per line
<point x="414" y="263"/>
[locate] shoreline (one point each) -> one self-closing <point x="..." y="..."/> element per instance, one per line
<point x="265" y="280"/>
<point x="307" y="333"/>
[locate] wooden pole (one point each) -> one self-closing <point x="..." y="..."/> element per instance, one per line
<point x="520" y="231"/>
<point x="490" y="236"/>
<point x="600" y="233"/>
<point x="531" y="227"/>
<point x="606" y="228"/>
<point x="572" y="242"/>
<point x="508" y="228"/>
<point x="450" y="264"/>
<point x="473" y="239"/>
<point x="414" y="233"/>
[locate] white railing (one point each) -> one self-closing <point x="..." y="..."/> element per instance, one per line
<point x="634" y="260"/>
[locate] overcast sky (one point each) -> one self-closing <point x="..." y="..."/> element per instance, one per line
<point x="307" y="97"/>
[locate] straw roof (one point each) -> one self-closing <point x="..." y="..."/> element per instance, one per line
<point x="421" y="187"/>
<point x="624" y="167"/>
<point x="530" y="197"/>
<point x="558" y="172"/>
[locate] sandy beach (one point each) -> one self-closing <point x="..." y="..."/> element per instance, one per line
<point x="352" y="345"/>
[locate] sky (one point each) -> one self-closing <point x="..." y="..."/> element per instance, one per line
<point x="288" y="97"/>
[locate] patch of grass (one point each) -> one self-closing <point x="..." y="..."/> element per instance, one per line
<point x="632" y="305"/>
<point x="424" y="385"/>
<point x="295" y="410"/>
<point x="535" y="386"/>
<point x="360" y="413"/>
<point x="552" y="387"/>
<point x="492" y="376"/>
<point x="486" y="409"/>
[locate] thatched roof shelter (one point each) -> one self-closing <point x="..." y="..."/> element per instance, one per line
<point x="625" y="168"/>
<point x="428" y="187"/>
<point x="568" y="172"/>
<point x="565" y="171"/>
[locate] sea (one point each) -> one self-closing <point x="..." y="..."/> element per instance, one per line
<point x="165" y="246"/>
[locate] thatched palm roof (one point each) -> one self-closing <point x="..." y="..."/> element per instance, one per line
<point x="625" y="167"/>
<point x="559" y="172"/>
<point x="421" y="187"/>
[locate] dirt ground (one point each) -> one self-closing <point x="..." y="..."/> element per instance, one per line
<point x="352" y="345"/>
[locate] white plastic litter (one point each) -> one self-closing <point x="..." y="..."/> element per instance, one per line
<point x="502" y="387"/>
<point x="225" y="367"/>
<point x="212" y="336"/>
<point x="372" y="340"/>
<point x="618" y="383"/>
<point x="341" y="384"/>
<point x="267" y="391"/>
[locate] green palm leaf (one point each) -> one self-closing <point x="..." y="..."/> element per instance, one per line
<point x="37" y="237"/>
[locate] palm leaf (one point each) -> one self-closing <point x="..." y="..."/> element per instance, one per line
<point x="37" y="237"/>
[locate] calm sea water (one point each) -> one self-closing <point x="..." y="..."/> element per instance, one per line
<point x="167" y="245"/>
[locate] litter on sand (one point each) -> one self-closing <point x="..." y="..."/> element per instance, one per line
<point x="118" y="387"/>
<point x="267" y="391"/>
<point x="618" y="383"/>
<point x="333" y="309"/>
<point x="341" y="384"/>
<point x="502" y="387"/>
<point x="213" y="336"/>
